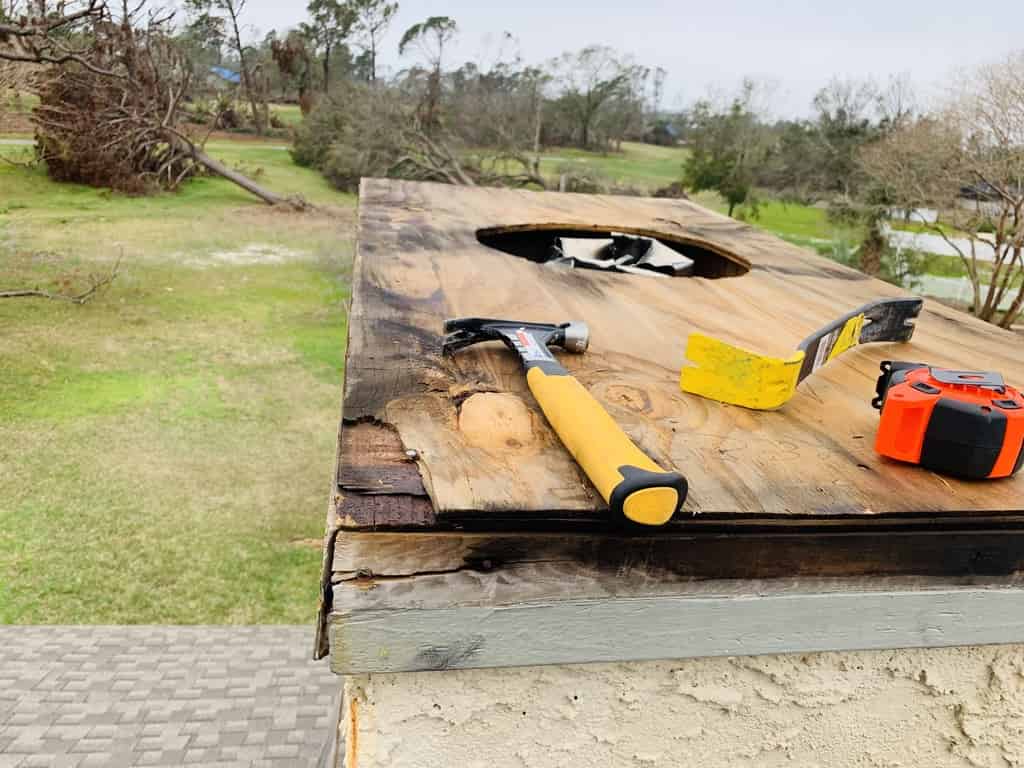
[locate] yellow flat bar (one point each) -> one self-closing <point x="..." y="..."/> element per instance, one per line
<point x="733" y="375"/>
<point x="738" y="376"/>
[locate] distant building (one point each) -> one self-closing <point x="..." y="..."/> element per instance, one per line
<point x="984" y="197"/>
<point x="222" y="77"/>
<point x="662" y="133"/>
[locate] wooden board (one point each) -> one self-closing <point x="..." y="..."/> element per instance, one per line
<point x="701" y="556"/>
<point x="419" y="261"/>
<point x="535" y="616"/>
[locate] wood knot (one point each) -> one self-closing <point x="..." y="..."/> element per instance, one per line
<point x="498" y="423"/>
<point x="630" y="398"/>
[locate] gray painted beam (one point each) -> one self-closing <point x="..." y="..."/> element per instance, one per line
<point x="403" y="639"/>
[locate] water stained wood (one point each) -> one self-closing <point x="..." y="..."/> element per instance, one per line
<point x="378" y="483"/>
<point x="812" y="552"/>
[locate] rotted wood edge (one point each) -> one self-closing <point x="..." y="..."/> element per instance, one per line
<point x="325" y="603"/>
<point x="699" y="556"/>
<point x="375" y="485"/>
<point x="378" y="484"/>
<point x="748" y="619"/>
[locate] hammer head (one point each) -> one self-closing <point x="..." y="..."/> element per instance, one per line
<point x="529" y="340"/>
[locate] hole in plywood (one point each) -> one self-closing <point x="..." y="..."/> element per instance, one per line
<point x="543" y="243"/>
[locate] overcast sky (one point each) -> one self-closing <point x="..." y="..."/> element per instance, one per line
<point x="714" y="44"/>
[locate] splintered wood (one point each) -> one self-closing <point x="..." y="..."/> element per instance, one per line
<point x="430" y="441"/>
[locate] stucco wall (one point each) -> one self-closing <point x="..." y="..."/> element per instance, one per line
<point x="884" y="709"/>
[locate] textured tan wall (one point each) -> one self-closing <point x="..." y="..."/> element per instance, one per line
<point x="885" y="709"/>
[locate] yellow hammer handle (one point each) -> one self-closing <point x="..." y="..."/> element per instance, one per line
<point x="634" y="486"/>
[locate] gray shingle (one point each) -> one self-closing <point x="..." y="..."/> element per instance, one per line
<point x="83" y="697"/>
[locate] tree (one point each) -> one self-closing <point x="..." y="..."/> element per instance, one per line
<point x="844" y="124"/>
<point x="793" y="167"/>
<point x="896" y="102"/>
<point x="501" y="116"/>
<point x="32" y="33"/>
<point x="625" y="110"/>
<point x="726" y="147"/>
<point x="360" y="130"/>
<point x="430" y="37"/>
<point x="811" y="160"/>
<point x="295" y="64"/>
<point x="374" y="130"/>
<point x="111" y="85"/>
<point x="372" y="19"/>
<point x="657" y="92"/>
<point x="205" y="35"/>
<point x="331" y="23"/>
<point x="228" y="13"/>
<point x="590" y="79"/>
<point x="967" y="162"/>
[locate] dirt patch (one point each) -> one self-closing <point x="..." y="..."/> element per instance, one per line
<point x="249" y="255"/>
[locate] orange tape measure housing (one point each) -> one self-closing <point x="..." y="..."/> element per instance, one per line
<point x="962" y="423"/>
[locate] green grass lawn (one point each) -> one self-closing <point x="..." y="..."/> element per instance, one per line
<point x="165" y="451"/>
<point x="797" y="221"/>
<point x="953" y="266"/>
<point x="928" y="229"/>
<point x="649" y="167"/>
<point x="640" y="165"/>
<point x="289" y="114"/>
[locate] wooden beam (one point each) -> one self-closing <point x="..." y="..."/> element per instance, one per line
<point x="366" y="567"/>
<point x="709" y="619"/>
<point x="699" y="555"/>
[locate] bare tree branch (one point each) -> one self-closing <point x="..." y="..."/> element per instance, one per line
<point x="97" y="284"/>
<point x="973" y="150"/>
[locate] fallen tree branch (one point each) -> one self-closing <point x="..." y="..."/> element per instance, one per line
<point x="16" y="164"/>
<point x="53" y="23"/>
<point x="111" y="101"/>
<point x="218" y="168"/>
<point x="97" y="283"/>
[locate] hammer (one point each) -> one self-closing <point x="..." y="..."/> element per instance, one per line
<point x="636" y="489"/>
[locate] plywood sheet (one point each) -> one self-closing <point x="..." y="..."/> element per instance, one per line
<point x="419" y="262"/>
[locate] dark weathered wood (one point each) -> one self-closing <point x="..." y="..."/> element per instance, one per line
<point x="378" y="483"/>
<point x="419" y="262"/>
<point x="701" y="556"/>
<point x="374" y="462"/>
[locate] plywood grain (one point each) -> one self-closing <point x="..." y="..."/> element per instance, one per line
<point x="419" y="262"/>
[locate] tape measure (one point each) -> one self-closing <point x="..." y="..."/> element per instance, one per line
<point x="967" y="424"/>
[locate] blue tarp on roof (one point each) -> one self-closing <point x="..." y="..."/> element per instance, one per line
<point x="226" y="74"/>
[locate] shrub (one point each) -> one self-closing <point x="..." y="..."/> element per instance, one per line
<point x="576" y="177"/>
<point x="843" y="212"/>
<point x="324" y="126"/>
<point x="355" y="132"/>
